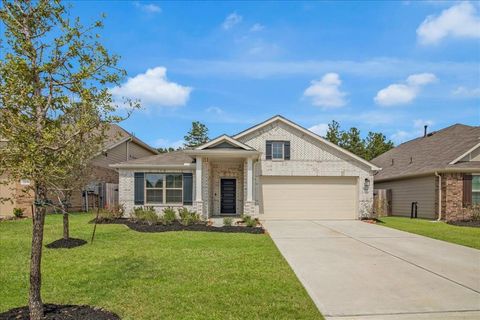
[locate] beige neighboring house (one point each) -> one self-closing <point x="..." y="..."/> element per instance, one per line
<point x="273" y="170"/>
<point x="120" y="145"/>
<point x="439" y="171"/>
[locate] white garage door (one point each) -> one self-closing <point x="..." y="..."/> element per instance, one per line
<point x="309" y="197"/>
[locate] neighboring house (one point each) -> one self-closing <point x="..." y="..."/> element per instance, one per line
<point x="441" y="165"/>
<point x="274" y="170"/>
<point x="119" y="146"/>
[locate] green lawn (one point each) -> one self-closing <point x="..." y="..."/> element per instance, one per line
<point x="465" y="236"/>
<point x="174" y="275"/>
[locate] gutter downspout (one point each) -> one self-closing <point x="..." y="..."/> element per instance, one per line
<point x="439" y="196"/>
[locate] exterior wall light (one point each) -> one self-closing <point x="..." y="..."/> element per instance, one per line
<point x="366" y="184"/>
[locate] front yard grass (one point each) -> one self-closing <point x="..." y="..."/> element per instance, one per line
<point x="465" y="236"/>
<point x="172" y="275"/>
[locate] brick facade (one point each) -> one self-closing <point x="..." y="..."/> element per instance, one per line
<point x="452" y="196"/>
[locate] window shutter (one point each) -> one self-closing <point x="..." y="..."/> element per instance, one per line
<point x="467" y="190"/>
<point x="268" y="151"/>
<point x="286" y="150"/>
<point x="139" y="188"/>
<point x="187" y="188"/>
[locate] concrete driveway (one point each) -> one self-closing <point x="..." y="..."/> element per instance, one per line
<point x="355" y="270"/>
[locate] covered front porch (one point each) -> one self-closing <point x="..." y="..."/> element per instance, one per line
<point x="224" y="181"/>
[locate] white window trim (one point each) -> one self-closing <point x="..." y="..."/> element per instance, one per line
<point x="164" y="190"/>
<point x="283" y="150"/>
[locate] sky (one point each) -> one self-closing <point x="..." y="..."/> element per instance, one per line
<point x="388" y="67"/>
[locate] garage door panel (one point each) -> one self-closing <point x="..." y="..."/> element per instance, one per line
<point x="308" y="197"/>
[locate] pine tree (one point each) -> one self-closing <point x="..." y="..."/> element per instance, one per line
<point x="197" y="135"/>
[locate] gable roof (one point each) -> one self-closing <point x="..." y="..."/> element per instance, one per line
<point x="223" y="139"/>
<point x="173" y="159"/>
<point x="438" y="151"/>
<point x="116" y="135"/>
<point x="309" y="133"/>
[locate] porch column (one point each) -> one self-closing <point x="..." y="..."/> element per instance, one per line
<point x="249" y="179"/>
<point x="198" y="180"/>
<point x="249" y="206"/>
<point x="198" y="188"/>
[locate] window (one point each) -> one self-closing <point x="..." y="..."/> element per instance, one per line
<point x="164" y="188"/>
<point x="475" y="190"/>
<point x="277" y="150"/>
<point x="174" y="188"/>
<point x="154" y="187"/>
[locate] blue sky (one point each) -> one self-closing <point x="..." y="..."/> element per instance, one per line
<point x="380" y="66"/>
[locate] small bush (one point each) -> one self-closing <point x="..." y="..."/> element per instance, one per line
<point x="227" y="221"/>
<point x="249" y="221"/>
<point x="169" y="215"/>
<point x="111" y="213"/>
<point x="146" y="214"/>
<point x="18" y="212"/>
<point x="188" y="217"/>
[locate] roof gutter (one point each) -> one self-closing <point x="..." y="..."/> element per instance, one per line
<point x="214" y="152"/>
<point x="421" y="174"/>
<point x="153" y="166"/>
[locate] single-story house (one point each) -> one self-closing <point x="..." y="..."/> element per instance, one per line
<point x="440" y="172"/>
<point x="119" y="145"/>
<point x="273" y="170"/>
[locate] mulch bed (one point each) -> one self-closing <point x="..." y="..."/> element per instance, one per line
<point x="472" y="223"/>
<point x="66" y="243"/>
<point x="61" y="312"/>
<point x="176" y="226"/>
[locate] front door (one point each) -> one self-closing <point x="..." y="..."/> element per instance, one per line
<point x="228" y="198"/>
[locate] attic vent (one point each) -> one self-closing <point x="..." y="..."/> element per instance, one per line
<point x="411" y="159"/>
<point x="431" y="134"/>
<point x="392" y="162"/>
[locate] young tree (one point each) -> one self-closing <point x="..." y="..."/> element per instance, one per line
<point x="375" y="144"/>
<point x="351" y="141"/>
<point x="197" y="135"/>
<point x="334" y="133"/>
<point x="53" y="95"/>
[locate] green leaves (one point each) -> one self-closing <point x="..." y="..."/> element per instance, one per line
<point x="197" y="135"/>
<point x="369" y="148"/>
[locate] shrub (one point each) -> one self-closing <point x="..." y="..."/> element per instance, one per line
<point x="146" y="214"/>
<point x="227" y="221"/>
<point x="112" y="213"/>
<point x="188" y="217"/>
<point x="249" y="221"/>
<point x="18" y="212"/>
<point x="169" y="215"/>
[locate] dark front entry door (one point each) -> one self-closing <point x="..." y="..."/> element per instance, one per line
<point x="228" y="199"/>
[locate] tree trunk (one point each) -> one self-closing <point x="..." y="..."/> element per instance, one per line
<point x="35" y="300"/>
<point x="66" y="233"/>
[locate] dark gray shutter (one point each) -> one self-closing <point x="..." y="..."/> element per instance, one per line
<point x="286" y="150"/>
<point x="187" y="188"/>
<point x="139" y="188"/>
<point x="268" y="150"/>
<point x="467" y="190"/>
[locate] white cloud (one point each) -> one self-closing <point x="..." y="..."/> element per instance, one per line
<point x="231" y="20"/>
<point x="153" y="89"/>
<point x="326" y="92"/>
<point x="320" y="129"/>
<point x="257" y="27"/>
<point x="466" y="92"/>
<point x="165" y="143"/>
<point x="400" y="136"/>
<point x="219" y="115"/>
<point x="150" y="8"/>
<point x="399" y="93"/>
<point x="458" y="21"/>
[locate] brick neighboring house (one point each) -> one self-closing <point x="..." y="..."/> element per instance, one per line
<point x="120" y="145"/>
<point x="444" y="165"/>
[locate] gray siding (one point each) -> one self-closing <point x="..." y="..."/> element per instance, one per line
<point x="404" y="192"/>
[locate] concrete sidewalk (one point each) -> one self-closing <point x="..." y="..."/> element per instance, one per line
<point x="355" y="270"/>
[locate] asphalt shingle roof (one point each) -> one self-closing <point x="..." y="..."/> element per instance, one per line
<point x="431" y="153"/>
